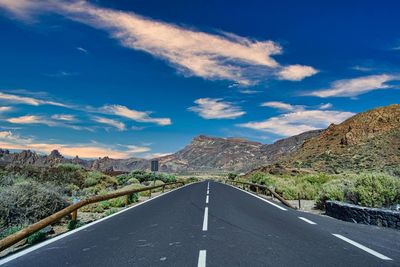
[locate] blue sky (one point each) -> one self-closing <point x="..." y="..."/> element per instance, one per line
<point x="142" y="78"/>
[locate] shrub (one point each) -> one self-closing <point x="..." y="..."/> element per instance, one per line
<point x="334" y="190"/>
<point x="111" y="211"/>
<point x="9" y="231"/>
<point x="117" y="202"/>
<point x="133" y="181"/>
<point x="75" y="224"/>
<point x="232" y="176"/>
<point x="376" y="190"/>
<point x="89" y="181"/>
<point x="28" y="202"/>
<point x="36" y="238"/>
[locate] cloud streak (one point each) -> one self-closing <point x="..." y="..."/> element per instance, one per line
<point x="356" y="86"/>
<point x="216" y="108"/>
<point x="114" y="123"/>
<point x="223" y="56"/>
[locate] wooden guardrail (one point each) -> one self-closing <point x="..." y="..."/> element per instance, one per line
<point x="258" y="186"/>
<point x="72" y="209"/>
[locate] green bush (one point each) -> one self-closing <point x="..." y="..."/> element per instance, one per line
<point x="89" y="181"/>
<point x="376" y="190"/>
<point x="9" y="231"/>
<point x="36" y="238"/>
<point x="111" y="211"/>
<point x="333" y="190"/>
<point x="74" y="224"/>
<point x="133" y="181"/>
<point x="118" y="202"/>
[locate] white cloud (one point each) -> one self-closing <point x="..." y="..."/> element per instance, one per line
<point x="10" y="140"/>
<point x="17" y="99"/>
<point x="132" y="149"/>
<point x="117" y="110"/>
<point x="296" y="72"/>
<point x="356" y="86"/>
<point x="297" y="122"/>
<point x="282" y="106"/>
<point x="215" y="108"/>
<point x="5" y="109"/>
<point x="210" y="56"/>
<point x="31" y="119"/>
<point x="249" y="92"/>
<point x="156" y="155"/>
<point x="325" y="106"/>
<point x="139" y="116"/>
<point x="63" y="117"/>
<point x="114" y="123"/>
<point x="82" y="50"/>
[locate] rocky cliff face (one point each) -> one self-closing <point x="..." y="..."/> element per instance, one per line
<point x="367" y="141"/>
<point x="230" y="154"/>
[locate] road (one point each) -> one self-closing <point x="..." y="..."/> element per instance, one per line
<point x="213" y="224"/>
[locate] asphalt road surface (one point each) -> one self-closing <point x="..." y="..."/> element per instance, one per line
<point x="212" y="224"/>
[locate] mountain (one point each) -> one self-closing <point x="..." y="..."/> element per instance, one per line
<point x="203" y="154"/>
<point x="229" y="154"/>
<point x="367" y="141"/>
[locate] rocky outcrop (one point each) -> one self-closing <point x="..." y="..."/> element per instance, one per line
<point x="367" y="141"/>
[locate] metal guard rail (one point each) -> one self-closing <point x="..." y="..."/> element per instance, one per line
<point x="72" y="209"/>
<point x="257" y="186"/>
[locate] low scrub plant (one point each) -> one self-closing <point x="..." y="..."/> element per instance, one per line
<point x="35" y="238"/>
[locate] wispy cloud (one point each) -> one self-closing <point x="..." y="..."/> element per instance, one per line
<point x="139" y="116"/>
<point x="282" y="106"/>
<point x="92" y="150"/>
<point x="210" y="56"/>
<point x="216" y="108"/>
<point x="81" y="49"/>
<point x="114" y="123"/>
<point x="63" y="117"/>
<point x="5" y="109"/>
<point x="356" y="86"/>
<point x="115" y="110"/>
<point x="18" y="99"/>
<point x="249" y="92"/>
<point x="297" y="122"/>
<point x="325" y="106"/>
<point x="31" y="119"/>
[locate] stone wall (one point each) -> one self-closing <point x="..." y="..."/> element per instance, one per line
<point x="358" y="214"/>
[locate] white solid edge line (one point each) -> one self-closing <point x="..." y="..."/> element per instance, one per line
<point x="307" y="220"/>
<point x="207" y="199"/>
<point x="263" y="199"/>
<point x="202" y="258"/>
<point x="205" y="220"/>
<point x="370" y="251"/>
<point x="42" y="244"/>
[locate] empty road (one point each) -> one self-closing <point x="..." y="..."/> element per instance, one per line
<point x="213" y="224"/>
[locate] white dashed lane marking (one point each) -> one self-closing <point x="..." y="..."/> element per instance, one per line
<point x="307" y="220"/>
<point x="202" y="258"/>
<point x="370" y="251"/>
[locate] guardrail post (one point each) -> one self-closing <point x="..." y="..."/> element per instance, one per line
<point x="74" y="215"/>
<point x="299" y="201"/>
<point x="150" y="193"/>
<point x="127" y="200"/>
<point x="163" y="188"/>
<point x="257" y="190"/>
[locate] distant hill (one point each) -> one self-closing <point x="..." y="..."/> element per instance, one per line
<point x="367" y="141"/>
<point x="203" y="154"/>
<point x="206" y="153"/>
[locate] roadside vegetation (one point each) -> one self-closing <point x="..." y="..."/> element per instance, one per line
<point x="28" y="194"/>
<point x="365" y="189"/>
